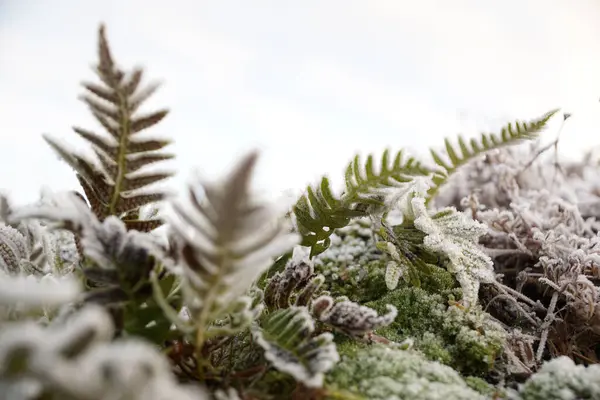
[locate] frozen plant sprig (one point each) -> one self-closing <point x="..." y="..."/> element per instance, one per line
<point x="454" y="235"/>
<point x="220" y="244"/>
<point x="76" y="360"/>
<point x="289" y="344"/>
<point x="350" y="317"/>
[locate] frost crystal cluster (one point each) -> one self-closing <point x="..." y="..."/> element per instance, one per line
<point x="474" y="275"/>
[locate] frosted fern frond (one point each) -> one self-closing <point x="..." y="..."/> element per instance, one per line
<point x="118" y="262"/>
<point x="117" y="184"/>
<point x="295" y="285"/>
<point x="76" y="360"/>
<point x="454" y="235"/>
<point x="24" y="246"/>
<point x="224" y="240"/>
<point x="287" y="338"/>
<point x="13" y="249"/>
<point x="349" y="317"/>
<point x="456" y="156"/>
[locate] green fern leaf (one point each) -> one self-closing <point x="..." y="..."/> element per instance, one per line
<point x="287" y="338"/>
<point x="511" y="134"/>
<point x="318" y="212"/>
<point x="115" y="185"/>
<point x="361" y="182"/>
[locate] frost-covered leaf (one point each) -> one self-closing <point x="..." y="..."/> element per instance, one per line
<point x="75" y="359"/>
<point x="349" y="317"/>
<point x="34" y="292"/>
<point x="454" y="235"/>
<point x="287" y="338"/>
<point x="295" y="285"/>
<point x="13" y="249"/>
<point x="25" y="246"/>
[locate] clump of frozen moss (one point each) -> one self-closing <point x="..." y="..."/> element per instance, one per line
<point x="353" y="266"/>
<point x="468" y="340"/>
<point x="379" y="372"/>
<point x="561" y="379"/>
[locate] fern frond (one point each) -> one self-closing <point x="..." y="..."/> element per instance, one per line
<point x="295" y="285"/>
<point x="351" y="318"/>
<point x="223" y="242"/>
<point x="458" y="155"/>
<point x="115" y="185"/>
<point x="361" y="181"/>
<point x="318" y="213"/>
<point x="286" y="337"/>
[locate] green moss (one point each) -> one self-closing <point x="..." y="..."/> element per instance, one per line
<point x="561" y="379"/>
<point x="354" y="267"/>
<point x="468" y="341"/>
<point x="378" y="372"/>
<point x="481" y="386"/>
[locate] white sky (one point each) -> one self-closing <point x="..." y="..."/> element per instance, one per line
<point x="309" y="82"/>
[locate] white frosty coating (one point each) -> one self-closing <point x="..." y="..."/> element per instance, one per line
<point x="350" y="317"/>
<point x="455" y="235"/>
<point x="352" y="248"/>
<point x="13" y="248"/>
<point x="232" y="237"/>
<point x="561" y="379"/>
<point x="395" y="268"/>
<point x="33" y="292"/>
<point x="382" y="373"/>
<point x="307" y="360"/>
<point x="98" y="370"/>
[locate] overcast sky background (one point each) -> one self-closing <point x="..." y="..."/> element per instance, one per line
<point x="308" y="82"/>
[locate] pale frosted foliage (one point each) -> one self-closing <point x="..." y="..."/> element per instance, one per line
<point x="104" y="242"/>
<point x="77" y="361"/>
<point x="455" y="235"/>
<point x="352" y="248"/>
<point x="24" y="293"/>
<point x="382" y="373"/>
<point x="561" y="379"/>
<point x="396" y="268"/>
<point x="289" y="344"/>
<point x="13" y="249"/>
<point x="349" y="317"/>
<point x="295" y="285"/>
<point x="224" y="239"/>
